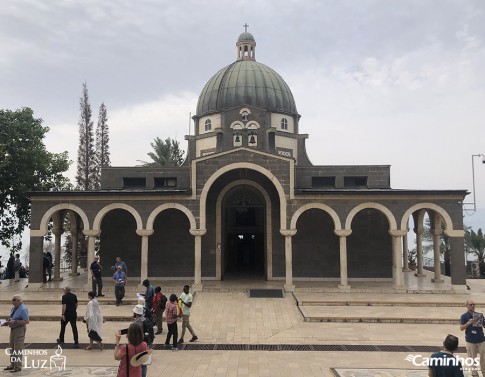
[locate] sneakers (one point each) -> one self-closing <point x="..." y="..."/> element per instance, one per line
<point x="59" y="341"/>
<point x="175" y="349"/>
<point x="100" y="295"/>
<point x="159" y="332"/>
<point x="194" y="338"/>
<point x="167" y="346"/>
<point x="76" y="344"/>
<point x="180" y="341"/>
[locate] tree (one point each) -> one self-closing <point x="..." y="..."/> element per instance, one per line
<point x="166" y="153"/>
<point x="86" y="176"/>
<point x="475" y="243"/>
<point x="102" y="143"/>
<point x="25" y="166"/>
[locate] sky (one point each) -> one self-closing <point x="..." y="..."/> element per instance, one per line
<point x="385" y="82"/>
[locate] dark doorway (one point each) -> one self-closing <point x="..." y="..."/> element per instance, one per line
<point x="244" y="238"/>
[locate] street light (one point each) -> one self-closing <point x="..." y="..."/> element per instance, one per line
<point x="473" y="177"/>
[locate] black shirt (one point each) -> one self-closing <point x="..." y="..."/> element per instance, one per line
<point x="96" y="268"/>
<point x="70" y="300"/>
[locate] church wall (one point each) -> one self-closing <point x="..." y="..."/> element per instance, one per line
<point x="316" y="251"/>
<point x="276" y="122"/>
<point x="215" y="123"/>
<point x="278" y="241"/>
<point x="206" y="146"/>
<point x="171" y="247"/>
<point x="369" y="247"/>
<point x="379" y="176"/>
<point x="118" y="238"/>
<point x="286" y="144"/>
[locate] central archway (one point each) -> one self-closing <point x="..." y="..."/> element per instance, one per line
<point x="243" y="230"/>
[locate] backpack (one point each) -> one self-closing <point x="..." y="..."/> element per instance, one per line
<point x="148" y="331"/>
<point x="163" y="302"/>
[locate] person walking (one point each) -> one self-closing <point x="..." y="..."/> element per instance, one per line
<point x="186" y="298"/>
<point x="443" y="363"/>
<point x="96" y="276"/>
<point x="16" y="267"/>
<point x="94" y="321"/>
<point x="69" y="315"/>
<point x="472" y="323"/>
<point x="18" y="321"/>
<point x="171" y="314"/>
<point x="158" y="307"/>
<point x="49" y="270"/>
<point x="10" y="268"/>
<point x="147" y="328"/>
<point x="119" y="279"/>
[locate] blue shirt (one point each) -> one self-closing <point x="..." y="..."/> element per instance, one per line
<point x="119" y="278"/>
<point x="19" y="314"/>
<point x="444" y="364"/>
<point x="473" y="333"/>
<point x="122" y="264"/>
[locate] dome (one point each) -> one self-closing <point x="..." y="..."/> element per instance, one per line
<point x="245" y="37"/>
<point x="246" y="82"/>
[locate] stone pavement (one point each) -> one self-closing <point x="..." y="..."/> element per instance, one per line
<point x="231" y="326"/>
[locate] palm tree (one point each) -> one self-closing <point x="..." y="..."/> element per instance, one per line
<point x="475" y="243"/>
<point x="165" y="153"/>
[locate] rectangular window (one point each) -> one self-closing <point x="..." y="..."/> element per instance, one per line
<point x="328" y="182"/>
<point x="134" y="182"/>
<point x="360" y="182"/>
<point x="162" y="182"/>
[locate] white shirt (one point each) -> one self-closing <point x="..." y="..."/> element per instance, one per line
<point x="186" y="297"/>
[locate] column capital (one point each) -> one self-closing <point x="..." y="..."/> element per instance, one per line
<point x="144" y="232"/>
<point x="57" y="231"/>
<point x="343" y="232"/>
<point x="198" y="232"/>
<point x="397" y="232"/>
<point x="418" y="230"/>
<point x="288" y="232"/>
<point x="92" y="232"/>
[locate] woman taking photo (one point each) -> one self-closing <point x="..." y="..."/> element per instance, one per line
<point x="94" y="321"/>
<point x="125" y="352"/>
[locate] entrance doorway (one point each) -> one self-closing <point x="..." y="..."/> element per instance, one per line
<point x="244" y="236"/>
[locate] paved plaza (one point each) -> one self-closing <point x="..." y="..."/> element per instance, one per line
<point x="242" y="336"/>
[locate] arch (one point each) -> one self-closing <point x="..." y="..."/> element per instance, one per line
<point x="429" y="206"/>
<point x="242" y="165"/>
<point x="262" y="190"/>
<point x="390" y="217"/>
<point x="163" y="207"/>
<point x="110" y="207"/>
<point x="321" y="206"/>
<point x="45" y="219"/>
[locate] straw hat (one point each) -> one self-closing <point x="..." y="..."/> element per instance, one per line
<point x="141" y="358"/>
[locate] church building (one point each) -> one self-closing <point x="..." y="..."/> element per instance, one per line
<point x="248" y="203"/>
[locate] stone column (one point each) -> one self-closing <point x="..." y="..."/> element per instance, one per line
<point x="144" y="234"/>
<point x="91" y="234"/>
<point x="36" y="256"/>
<point x="343" y="234"/>
<point x="288" y="233"/>
<point x="437" y="256"/>
<point x="57" y="252"/>
<point x="405" y="253"/>
<point x="74" y="233"/>
<point x="197" y="233"/>
<point x="397" y="252"/>
<point x="419" y="252"/>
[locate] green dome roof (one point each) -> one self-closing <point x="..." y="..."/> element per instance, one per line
<point x="246" y="82"/>
<point x="246" y="37"/>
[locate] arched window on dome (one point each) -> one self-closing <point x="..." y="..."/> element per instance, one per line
<point x="244" y="116"/>
<point x="208" y="125"/>
<point x="284" y="124"/>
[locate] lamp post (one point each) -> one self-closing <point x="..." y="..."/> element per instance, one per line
<point x="473" y="177"/>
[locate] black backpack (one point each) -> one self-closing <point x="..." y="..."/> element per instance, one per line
<point x="163" y="302"/>
<point x="148" y="331"/>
